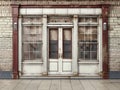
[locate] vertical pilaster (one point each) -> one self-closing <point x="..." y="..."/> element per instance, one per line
<point x="75" y="46"/>
<point x="15" y="14"/>
<point x="44" y="47"/>
<point x="105" y="41"/>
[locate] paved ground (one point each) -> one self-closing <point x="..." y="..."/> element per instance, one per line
<point x="59" y="84"/>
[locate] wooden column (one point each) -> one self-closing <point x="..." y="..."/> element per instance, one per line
<point x="44" y="49"/>
<point x="105" y="41"/>
<point x="15" y="13"/>
<point x="75" y="46"/>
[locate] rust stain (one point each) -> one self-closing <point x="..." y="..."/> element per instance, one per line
<point x="105" y="53"/>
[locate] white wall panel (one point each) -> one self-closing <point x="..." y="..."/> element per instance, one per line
<point x="48" y="11"/>
<point x="87" y="11"/>
<point x="23" y="11"/>
<point x="61" y="11"/>
<point x="32" y="69"/>
<point x="73" y="11"/>
<point x="88" y="68"/>
<point x="98" y="11"/>
<point x="34" y="11"/>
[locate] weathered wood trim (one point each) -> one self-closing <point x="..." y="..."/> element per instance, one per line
<point x="105" y="53"/>
<point x="61" y="6"/>
<point x="15" y="14"/>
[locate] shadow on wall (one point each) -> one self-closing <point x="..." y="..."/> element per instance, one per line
<point x="5" y="74"/>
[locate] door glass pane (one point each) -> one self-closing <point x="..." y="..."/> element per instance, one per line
<point x="53" y="43"/>
<point x="67" y="43"/>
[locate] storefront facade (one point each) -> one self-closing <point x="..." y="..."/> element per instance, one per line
<point x="59" y="39"/>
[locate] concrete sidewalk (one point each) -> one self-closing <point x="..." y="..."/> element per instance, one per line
<point x="59" y="84"/>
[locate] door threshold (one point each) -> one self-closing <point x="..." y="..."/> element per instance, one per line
<point x="60" y="77"/>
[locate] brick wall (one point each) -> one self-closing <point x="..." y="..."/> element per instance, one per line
<point x="114" y="38"/>
<point x="5" y="38"/>
<point x="6" y="30"/>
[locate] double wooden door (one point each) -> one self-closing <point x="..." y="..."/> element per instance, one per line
<point x="60" y="51"/>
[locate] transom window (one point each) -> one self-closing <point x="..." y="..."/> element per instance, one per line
<point x="87" y="37"/>
<point x="32" y="38"/>
<point x="59" y="19"/>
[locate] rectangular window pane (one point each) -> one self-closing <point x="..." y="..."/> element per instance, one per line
<point x="32" y="51"/>
<point x="81" y="55"/>
<point x="87" y="20"/>
<point x="94" y="37"/>
<point x="32" y="38"/>
<point x="81" y="47"/>
<point x="87" y="47"/>
<point x="32" y="19"/>
<point x="94" y="55"/>
<point x="32" y="29"/>
<point x="94" y="30"/>
<point x="81" y="37"/>
<point x="87" y="55"/>
<point x="93" y="47"/>
<point x="94" y="19"/>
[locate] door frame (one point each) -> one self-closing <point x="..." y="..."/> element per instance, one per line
<point x="105" y="9"/>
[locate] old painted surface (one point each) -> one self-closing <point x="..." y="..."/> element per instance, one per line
<point x="59" y="84"/>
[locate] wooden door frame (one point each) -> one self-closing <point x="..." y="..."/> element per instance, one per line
<point x="105" y="10"/>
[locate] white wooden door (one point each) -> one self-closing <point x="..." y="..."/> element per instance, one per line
<point x="60" y="51"/>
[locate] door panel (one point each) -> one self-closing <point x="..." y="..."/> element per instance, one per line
<point x="53" y="50"/>
<point x="67" y="50"/>
<point x="60" y="51"/>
